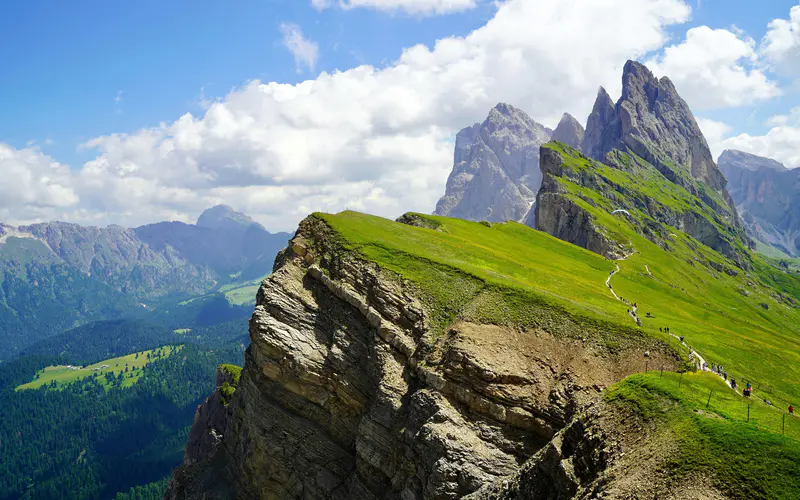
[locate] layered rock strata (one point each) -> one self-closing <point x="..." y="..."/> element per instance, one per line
<point x="348" y="393"/>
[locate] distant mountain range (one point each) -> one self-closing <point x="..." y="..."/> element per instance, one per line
<point x="767" y="196"/>
<point x="56" y="275"/>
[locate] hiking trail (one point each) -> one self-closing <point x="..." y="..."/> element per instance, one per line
<point x="695" y="357"/>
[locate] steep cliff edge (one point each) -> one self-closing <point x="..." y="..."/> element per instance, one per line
<point x="355" y="386"/>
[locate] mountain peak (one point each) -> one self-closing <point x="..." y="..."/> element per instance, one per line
<point x="223" y="215"/>
<point x="733" y="158"/>
<point x="569" y="131"/>
<point x="495" y="167"/>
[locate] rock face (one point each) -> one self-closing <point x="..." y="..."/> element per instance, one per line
<point x="767" y="196"/>
<point x="495" y="173"/>
<point x="561" y="217"/>
<point x="651" y="135"/>
<point x="653" y="122"/>
<point x="345" y="394"/>
<point x="569" y="131"/>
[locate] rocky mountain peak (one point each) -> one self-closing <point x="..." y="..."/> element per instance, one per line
<point x="495" y="167"/>
<point x="732" y="158"/>
<point x="652" y="121"/>
<point x="767" y="196"/>
<point x="221" y="216"/>
<point x="569" y="131"/>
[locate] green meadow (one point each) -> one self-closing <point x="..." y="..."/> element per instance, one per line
<point x="747" y="457"/>
<point x="131" y="366"/>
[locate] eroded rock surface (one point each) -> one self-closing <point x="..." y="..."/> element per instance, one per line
<point x="495" y="173"/>
<point x="347" y="393"/>
<point x="767" y="195"/>
<point x="569" y="131"/>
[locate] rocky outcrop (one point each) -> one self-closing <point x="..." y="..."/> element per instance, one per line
<point x="653" y="122"/>
<point x="495" y="173"/>
<point x="767" y="196"/>
<point x="560" y="216"/>
<point x="348" y="393"/>
<point x="569" y="131"/>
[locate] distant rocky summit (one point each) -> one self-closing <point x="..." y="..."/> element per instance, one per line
<point x="58" y="275"/>
<point x="495" y="173"/>
<point x="767" y="196"/>
<point x="569" y="131"/>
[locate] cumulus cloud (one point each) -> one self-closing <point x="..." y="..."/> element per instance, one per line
<point x="304" y="51"/>
<point x="780" y="143"/>
<point x="714" y="132"/>
<point x="715" y="68"/>
<point x="781" y="44"/>
<point x="420" y="7"/>
<point x="371" y="139"/>
<point x="33" y="184"/>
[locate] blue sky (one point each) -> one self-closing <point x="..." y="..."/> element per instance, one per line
<point x="375" y="138"/>
<point x="67" y="62"/>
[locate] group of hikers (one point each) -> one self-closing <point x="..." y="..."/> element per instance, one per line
<point x="718" y="369"/>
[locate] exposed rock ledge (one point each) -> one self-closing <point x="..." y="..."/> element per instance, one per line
<point x="346" y="394"/>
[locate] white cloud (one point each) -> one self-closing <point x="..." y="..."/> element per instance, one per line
<point x="780" y="144"/>
<point x="781" y="44"/>
<point x="305" y="51"/>
<point x="377" y="140"/>
<point x="34" y="185"/>
<point x="714" y="132"/>
<point x="715" y="69"/>
<point x="419" y="7"/>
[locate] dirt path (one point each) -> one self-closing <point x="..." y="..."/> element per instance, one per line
<point x="608" y="283"/>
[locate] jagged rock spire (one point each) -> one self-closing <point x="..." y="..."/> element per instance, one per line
<point x="569" y="131"/>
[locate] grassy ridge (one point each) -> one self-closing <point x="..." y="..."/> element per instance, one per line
<point x="505" y="274"/>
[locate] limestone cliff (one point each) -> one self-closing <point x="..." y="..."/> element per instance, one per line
<point x="767" y="196"/>
<point x="348" y="392"/>
<point x="495" y="168"/>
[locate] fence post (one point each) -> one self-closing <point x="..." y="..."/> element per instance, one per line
<point x="709" y="398"/>
<point x="646" y="365"/>
<point x="662" y="370"/>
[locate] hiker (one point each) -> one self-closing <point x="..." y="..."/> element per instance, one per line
<point x="681" y="338"/>
<point x="733" y="381"/>
<point x="791" y="410"/>
<point x="660" y="329"/>
<point x="725" y="376"/>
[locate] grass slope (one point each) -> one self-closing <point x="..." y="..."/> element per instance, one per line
<point x="745" y="322"/>
<point x="130" y="366"/>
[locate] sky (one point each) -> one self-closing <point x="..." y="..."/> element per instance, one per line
<point x="135" y="112"/>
